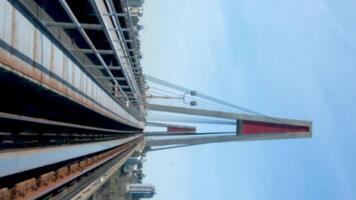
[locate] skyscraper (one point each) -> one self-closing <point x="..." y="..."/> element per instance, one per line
<point x="137" y="191"/>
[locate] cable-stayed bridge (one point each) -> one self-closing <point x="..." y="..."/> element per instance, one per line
<point x="75" y="102"/>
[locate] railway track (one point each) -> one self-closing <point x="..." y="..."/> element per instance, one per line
<point x="61" y="124"/>
<point x="49" y="157"/>
<point x="70" y="174"/>
<point x="43" y="132"/>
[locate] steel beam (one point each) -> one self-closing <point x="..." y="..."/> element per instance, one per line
<point x="158" y="124"/>
<point x="226" y="115"/>
<point x="120" y="29"/>
<point x="100" y="8"/>
<point x="125" y="87"/>
<point x="88" y="40"/>
<point x="101" y="67"/>
<point x="129" y="18"/>
<point x="101" y="51"/>
<point x="24" y="63"/>
<point x="73" y="25"/>
<point x="116" y="14"/>
<point x="48" y="123"/>
<point x="122" y="86"/>
<point x="109" y="78"/>
<point x="196" y="140"/>
<point x="123" y="40"/>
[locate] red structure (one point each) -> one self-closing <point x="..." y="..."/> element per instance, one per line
<point x="247" y="127"/>
<point x="176" y="129"/>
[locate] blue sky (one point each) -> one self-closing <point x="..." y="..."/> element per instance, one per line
<point x="293" y="59"/>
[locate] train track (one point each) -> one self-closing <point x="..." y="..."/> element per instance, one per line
<point x="69" y="175"/>
<point x="54" y="159"/>
<point x="43" y="132"/>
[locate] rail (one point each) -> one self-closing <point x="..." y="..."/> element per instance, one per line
<point x="46" y="182"/>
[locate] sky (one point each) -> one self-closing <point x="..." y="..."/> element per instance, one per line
<point x="293" y="59"/>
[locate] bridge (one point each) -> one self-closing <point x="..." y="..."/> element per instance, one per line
<point x="70" y="73"/>
<point x="73" y="100"/>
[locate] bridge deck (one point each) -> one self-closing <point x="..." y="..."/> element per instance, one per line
<point x="42" y="54"/>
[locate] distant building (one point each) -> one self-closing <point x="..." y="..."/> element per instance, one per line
<point x="134" y="161"/>
<point x="135" y="3"/>
<point x="137" y="191"/>
<point x="138" y="173"/>
<point x="136" y="11"/>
